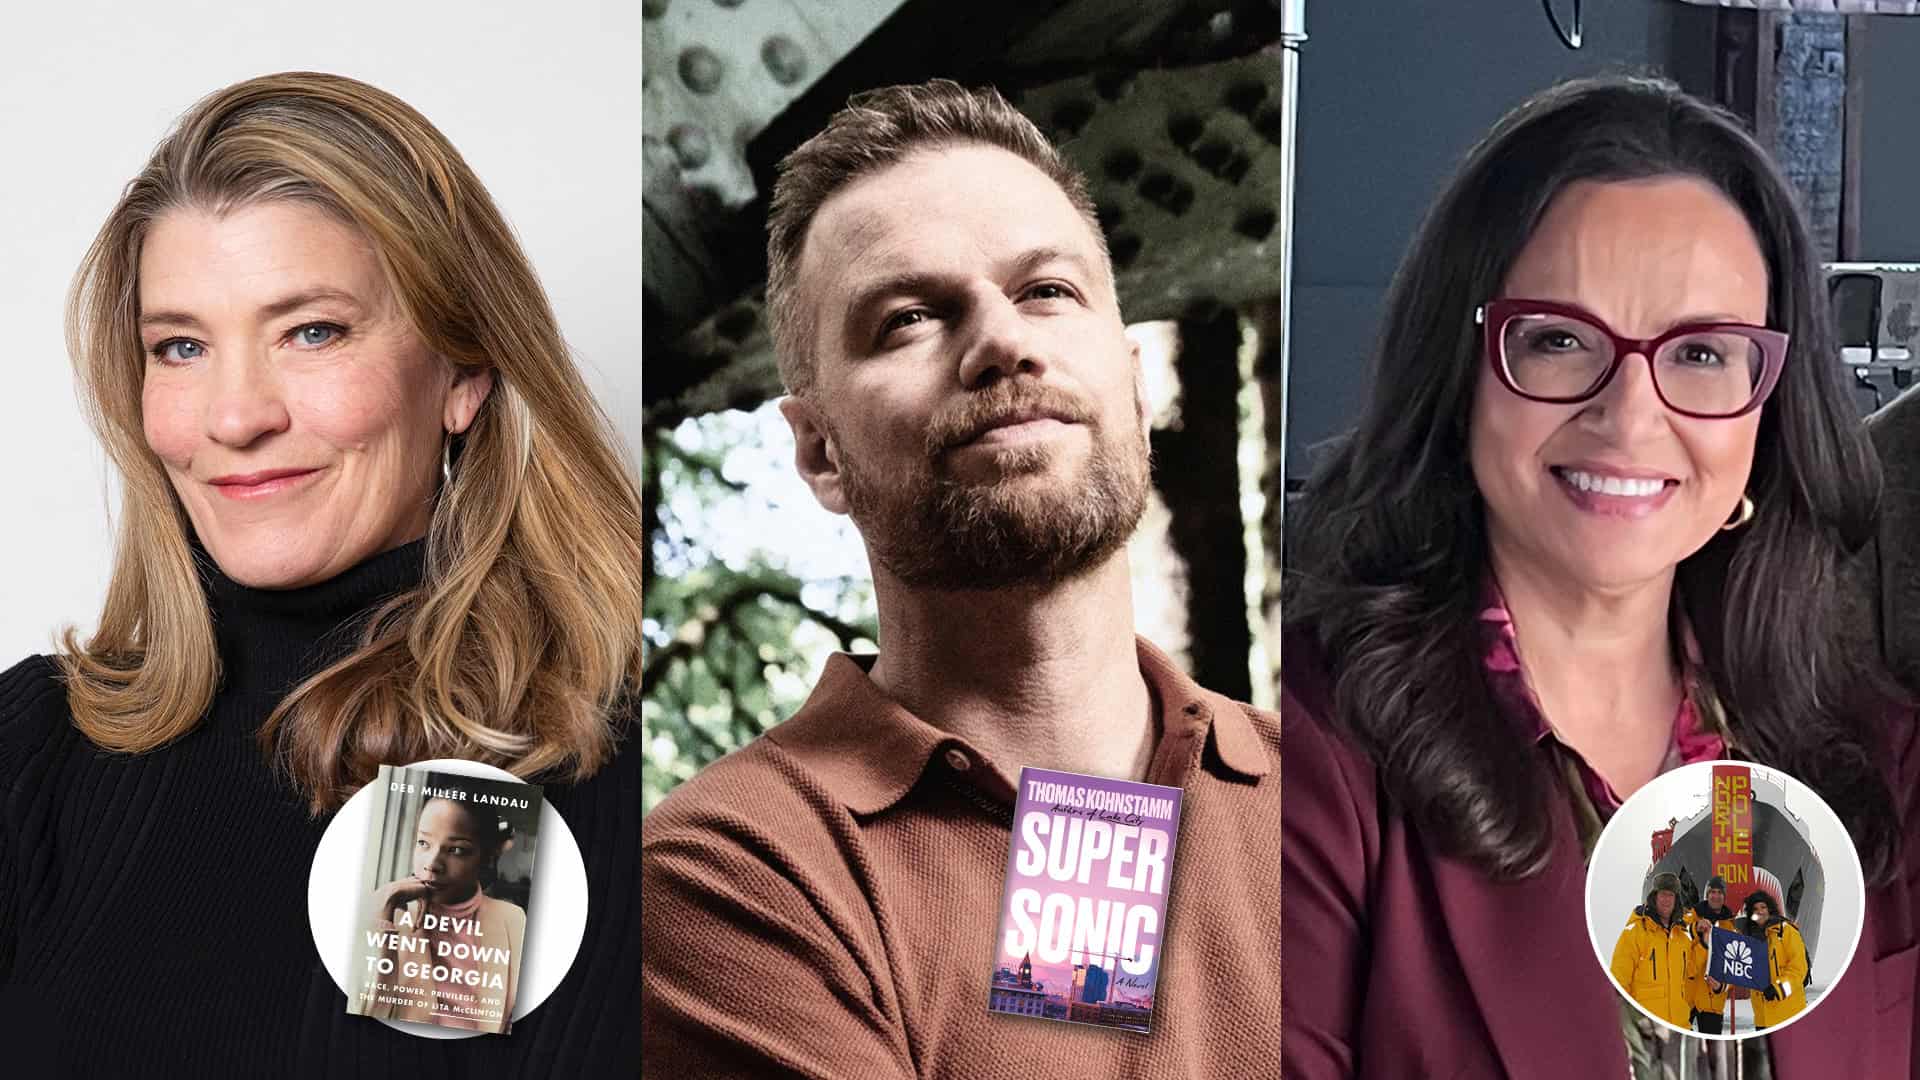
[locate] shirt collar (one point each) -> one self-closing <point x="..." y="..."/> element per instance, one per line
<point x="1692" y="740"/>
<point x="870" y="750"/>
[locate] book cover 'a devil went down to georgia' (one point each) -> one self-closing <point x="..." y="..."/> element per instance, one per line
<point x="448" y="870"/>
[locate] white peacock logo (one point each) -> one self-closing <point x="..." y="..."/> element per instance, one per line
<point x="1739" y="959"/>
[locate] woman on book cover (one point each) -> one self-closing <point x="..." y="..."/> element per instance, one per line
<point x="455" y="845"/>
<point x="1591" y="526"/>
<point x="369" y="513"/>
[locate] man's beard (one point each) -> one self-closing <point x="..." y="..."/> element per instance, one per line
<point x="932" y="531"/>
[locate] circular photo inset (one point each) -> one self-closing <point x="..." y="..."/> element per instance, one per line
<point x="512" y="924"/>
<point x="1724" y="899"/>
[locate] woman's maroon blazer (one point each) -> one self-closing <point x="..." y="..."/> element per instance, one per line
<point x="1398" y="962"/>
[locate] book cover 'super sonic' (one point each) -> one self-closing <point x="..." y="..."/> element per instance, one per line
<point x="1083" y="916"/>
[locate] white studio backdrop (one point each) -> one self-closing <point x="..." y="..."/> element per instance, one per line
<point x="543" y="101"/>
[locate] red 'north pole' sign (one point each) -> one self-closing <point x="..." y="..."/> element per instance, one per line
<point x="1733" y="826"/>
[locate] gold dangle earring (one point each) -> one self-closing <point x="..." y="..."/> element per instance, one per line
<point x="1742" y="516"/>
<point x="446" y="460"/>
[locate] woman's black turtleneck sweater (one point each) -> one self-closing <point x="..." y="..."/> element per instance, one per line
<point x="153" y="907"/>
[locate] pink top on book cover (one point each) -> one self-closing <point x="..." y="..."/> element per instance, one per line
<point x="1083" y="917"/>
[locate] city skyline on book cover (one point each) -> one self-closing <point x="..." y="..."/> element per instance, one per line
<point x="1083" y="914"/>
<point x="448" y="866"/>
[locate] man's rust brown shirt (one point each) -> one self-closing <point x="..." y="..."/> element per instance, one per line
<point x="824" y="902"/>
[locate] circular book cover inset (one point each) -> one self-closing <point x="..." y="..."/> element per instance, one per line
<point x="1724" y="899"/>
<point x="447" y="899"/>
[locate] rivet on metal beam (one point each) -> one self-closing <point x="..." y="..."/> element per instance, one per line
<point x="1255" y="224"/>
<point x="691" y="145"/>
<point x="784" y="60"/>
<point x="1244" y="97"/>
<point x="1121" y="165"/>
<point x="1213" y="155"/>
<point x="1166" y="191"/>
<point x="1183" y="128"/>
<point x="700" y="69"/>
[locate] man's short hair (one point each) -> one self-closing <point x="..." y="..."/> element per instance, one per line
<point x="879" y="128"/>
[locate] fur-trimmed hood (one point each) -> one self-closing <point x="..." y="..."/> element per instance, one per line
<point x="1662" y="883"/>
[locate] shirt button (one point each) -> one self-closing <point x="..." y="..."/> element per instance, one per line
<point x="958" y="760"/>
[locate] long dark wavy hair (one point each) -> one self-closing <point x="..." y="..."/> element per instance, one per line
<point x="1389" y="544"/>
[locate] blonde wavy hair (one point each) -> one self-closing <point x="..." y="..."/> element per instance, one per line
<point x="521" y="645"/>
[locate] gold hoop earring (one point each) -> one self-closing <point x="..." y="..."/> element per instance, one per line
<point x="1740" y="517"/>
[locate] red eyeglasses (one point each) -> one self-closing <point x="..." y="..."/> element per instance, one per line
<point x="1560" y="354"/>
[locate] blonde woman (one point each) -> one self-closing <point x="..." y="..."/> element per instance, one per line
<point x="370" y="513"/>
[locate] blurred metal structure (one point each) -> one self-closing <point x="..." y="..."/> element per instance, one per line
<point x="714" y="74"/>
<point x="1180" y="113"/>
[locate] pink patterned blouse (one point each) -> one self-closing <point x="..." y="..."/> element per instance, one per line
<point x="1692" y="741"/>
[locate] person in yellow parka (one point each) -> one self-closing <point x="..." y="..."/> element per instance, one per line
<point x="1707" y="998"/>
<point x="1786" y="963"/>
<point x="1650" y="961"/>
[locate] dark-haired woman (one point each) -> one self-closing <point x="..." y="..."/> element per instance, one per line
<point x="453" y="843"/>
<point x="1786" y="993"/>
<point x="1588" y="529"/>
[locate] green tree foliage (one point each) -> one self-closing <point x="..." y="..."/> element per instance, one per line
<point x="735" y="636"/>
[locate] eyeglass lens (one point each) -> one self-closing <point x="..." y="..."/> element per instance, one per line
<point x="1557" y="356"/>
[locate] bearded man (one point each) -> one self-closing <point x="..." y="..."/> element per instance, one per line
<point x="824" y="902"/>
